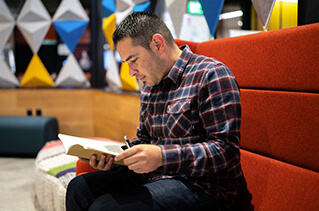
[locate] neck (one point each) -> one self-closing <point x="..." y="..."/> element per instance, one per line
<point x="172" y="55"/>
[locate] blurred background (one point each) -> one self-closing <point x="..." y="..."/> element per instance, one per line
<point x="237" y="18"/>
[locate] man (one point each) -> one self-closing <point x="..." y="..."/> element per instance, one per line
<point x="186" y="154"/>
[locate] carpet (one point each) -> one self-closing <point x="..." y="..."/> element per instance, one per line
<point x="17" y="191"/>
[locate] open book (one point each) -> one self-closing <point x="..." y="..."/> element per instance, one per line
<point x="84" y="148"/>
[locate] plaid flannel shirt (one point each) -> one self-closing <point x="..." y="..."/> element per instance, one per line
<point x="194" y="115"/>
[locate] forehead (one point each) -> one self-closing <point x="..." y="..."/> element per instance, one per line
<point x="127" y="50"/>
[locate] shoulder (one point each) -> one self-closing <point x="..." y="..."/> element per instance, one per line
<point x="206" y="68"/>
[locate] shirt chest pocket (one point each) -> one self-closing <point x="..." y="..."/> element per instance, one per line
<point x="179" y="119"/>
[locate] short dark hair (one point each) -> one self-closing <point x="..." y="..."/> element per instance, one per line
<point x="140" y="27"/>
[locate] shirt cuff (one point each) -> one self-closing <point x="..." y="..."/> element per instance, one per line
<point x="172" y="158"/>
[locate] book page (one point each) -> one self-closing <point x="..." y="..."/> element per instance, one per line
<point x="110" y="148"/>
<point x="113" y="148"/>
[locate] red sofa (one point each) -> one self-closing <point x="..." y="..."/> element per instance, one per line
<point x="278" y="72"/>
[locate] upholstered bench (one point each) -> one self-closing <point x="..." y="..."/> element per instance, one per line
<point x="25" y="135"/>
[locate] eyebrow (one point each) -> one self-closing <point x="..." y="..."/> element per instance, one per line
<point x="130" y="57"/>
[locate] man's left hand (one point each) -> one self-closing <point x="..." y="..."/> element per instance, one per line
<point x="142" y="158"/>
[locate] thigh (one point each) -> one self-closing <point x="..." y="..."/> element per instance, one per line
<point x="172" y="194"/>
<point x="101" y="182"/>
<point x="163" y="194"/>
<point x="83" y="190"/>
<point x="135" y="199"/>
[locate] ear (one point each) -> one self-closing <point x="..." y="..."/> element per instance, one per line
<point x="158" y="43"/>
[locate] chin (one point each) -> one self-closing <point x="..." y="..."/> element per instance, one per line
<point x="149" y="85"/>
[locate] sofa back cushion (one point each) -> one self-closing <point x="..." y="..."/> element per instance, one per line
<point x="285" y="59"/>
<point x="281" y="125"/>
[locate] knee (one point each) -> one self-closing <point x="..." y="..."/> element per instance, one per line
<point x="104" y="202"/>
<point x="77" y="194"/>
<point x="75" y="186"/>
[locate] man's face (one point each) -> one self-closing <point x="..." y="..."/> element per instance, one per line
<point x="144" y="64"/>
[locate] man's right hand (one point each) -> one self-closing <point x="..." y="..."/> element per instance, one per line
<point x="101" y="164"/>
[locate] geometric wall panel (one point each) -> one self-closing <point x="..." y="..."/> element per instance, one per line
<point x="126" y="7"/>
<point x="108" y="26"/>
<point x="142" y="7"/>
<point x="6" y="24"/>
<point x="121" y="5"/>
<point x="112" y="74"/>
<point x="123" y="9"/>
<point x="138" y="1"/>
<point x="176" y="9"/>
<point x="70" y="21"/>
<point x="212" y="10"/>
<point x="7" y="78"/>
<point x="108" y="7"/>
<point x="71" y="75"/>
<point x="264" y="9"/>
<point x="36" y="74"/>
<point x="70" y="10"/>
<point x="34" y="22"/>
<point x="128" y="82"/>
<point x="70" y="32"/>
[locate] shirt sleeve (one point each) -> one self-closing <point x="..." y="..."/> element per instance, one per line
<point x="143" y="137"/>
<point x="220" y="115"/>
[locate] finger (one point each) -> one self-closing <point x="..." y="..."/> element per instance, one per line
<point x="109" y="164"/>
<point x="134" y="167"/>
<point x="102" y="162"/>
<point x="130" y="161"/>
<point x="126" y="153"/>
<point x="135" y="164"/>
<point x="137" y="169"/>
<point x="92" y="161"/>
<point x="84" y="160"/>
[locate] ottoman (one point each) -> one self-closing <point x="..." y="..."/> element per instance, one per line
<point x="53" y="172"/>
<point x="25" y="135"/>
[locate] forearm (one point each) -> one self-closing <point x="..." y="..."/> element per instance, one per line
<point x="201" y="159"/>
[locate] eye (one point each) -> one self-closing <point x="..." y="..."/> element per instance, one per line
<point x="133" y="61"/>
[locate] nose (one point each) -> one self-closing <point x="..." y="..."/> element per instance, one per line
<point x="132" y="70"/>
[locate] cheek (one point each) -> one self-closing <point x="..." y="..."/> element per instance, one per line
<point x="151" y="68"/>
<point x="145" y="67"/>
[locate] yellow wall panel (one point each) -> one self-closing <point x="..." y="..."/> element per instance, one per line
<point x="289" y="14"/>
<point x="284" y="15"/>
<point x="274" y="21"/>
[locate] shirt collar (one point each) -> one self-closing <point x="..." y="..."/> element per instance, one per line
<point x="177" y="69"/>
<point x="179" y="66"/>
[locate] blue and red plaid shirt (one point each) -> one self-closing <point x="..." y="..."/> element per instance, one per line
<point x="194" y="115"/>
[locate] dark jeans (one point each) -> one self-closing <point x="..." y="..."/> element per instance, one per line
<point x="122" y="189"/>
